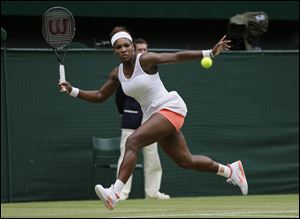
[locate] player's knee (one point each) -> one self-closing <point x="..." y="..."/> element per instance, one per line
<point x="131" y="143"/>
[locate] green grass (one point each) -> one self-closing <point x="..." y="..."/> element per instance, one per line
<point x="260" y="206"/>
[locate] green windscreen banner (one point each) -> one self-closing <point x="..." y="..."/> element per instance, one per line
<point x="277" y="10"/>
<point x="245" y="107"/>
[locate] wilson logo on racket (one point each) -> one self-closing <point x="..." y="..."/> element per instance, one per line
<point x="58" y="26"/>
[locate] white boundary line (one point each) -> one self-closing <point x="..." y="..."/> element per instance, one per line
<point x="219" y="214"/>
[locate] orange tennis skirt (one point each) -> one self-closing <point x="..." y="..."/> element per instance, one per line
<point x="175" y="118"/>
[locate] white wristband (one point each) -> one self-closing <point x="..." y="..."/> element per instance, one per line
<point x="207" y="53"/>
<point x="74" y="92"/>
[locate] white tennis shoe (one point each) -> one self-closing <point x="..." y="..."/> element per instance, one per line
<point x="158" y="195"/>
<point x="108" y="196"/>
<point x="238" y="177"/>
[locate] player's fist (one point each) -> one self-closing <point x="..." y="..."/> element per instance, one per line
<point x="64" y="87"/>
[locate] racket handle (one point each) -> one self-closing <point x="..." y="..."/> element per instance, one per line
<point x="62" y="74"/>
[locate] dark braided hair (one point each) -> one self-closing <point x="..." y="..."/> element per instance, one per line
<point x="118" y="29"/>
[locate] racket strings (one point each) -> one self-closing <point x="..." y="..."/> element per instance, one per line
<point x="58" y="28"/>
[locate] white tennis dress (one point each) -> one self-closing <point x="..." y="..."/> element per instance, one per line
<point x="150" y="92"/>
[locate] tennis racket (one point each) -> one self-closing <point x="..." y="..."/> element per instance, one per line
<point x="58" y="28"/>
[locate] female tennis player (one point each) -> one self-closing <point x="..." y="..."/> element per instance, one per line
<point x="164" y="112"/>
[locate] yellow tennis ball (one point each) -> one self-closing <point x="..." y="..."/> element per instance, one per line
<point x="206" y="62"/>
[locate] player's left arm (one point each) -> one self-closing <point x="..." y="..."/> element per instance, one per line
<point x="152" y="58"/>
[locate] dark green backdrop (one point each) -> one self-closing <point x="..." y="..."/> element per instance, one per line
<point x="277" y="10"/>
<point x="245" y="107"/>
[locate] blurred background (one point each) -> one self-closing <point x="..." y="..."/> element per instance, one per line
<point x="245" y="107"/>
<point x="165" y="24"/>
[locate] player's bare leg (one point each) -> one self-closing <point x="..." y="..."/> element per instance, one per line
<point x="151" y="131"/>
<point x="175" y="146"/>
<point x="156" y="128"/>
<point x="159" y="129"/>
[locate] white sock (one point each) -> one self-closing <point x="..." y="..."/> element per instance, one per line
<point x="119" y="185"/>
<point x="224" y="171"/>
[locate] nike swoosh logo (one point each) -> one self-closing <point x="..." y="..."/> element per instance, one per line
<point x="241" y="179"/>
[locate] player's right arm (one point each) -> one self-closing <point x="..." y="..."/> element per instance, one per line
<point x="107" y="89"/>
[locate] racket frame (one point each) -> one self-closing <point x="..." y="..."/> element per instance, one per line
<point x="62" y="49"/>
